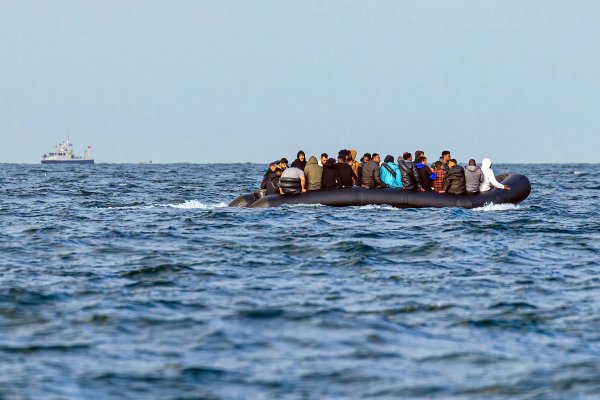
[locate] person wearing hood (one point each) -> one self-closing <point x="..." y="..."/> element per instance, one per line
<point x="473" y="177"/>
<point x="356" y="166"/>
<point x="390" y="173"/>
<point x="410" y="176"/>
<point x="425" y="173"/>
<point x="313" y="173"/>
<point x="330" y="175"/>
<point x="300" y="161"/>
<point x="454" y="183"/>
<point x="489" y="179"/>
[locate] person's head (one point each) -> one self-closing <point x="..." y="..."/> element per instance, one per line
<point x="301" y="156"/>
<point x="406" y="156"/>
<point x="486" y="163"/>
<point x="437" y="165"/>
<point x="353" y="154"/>
<point x="452" y="162"/>
<point x="366" y="157"/>
<point x="349" y="159"/>
<point x="418" y="154"/>
<point x="324" y="158"/>
<point x="283" y="163"/>
<point x="376" y="158"/>
<point x="446" y="156"/>
<point x="273" y="166"/>
<point x="330" y="161"/>
<point x="388" y="159"/>
<point x="472" y="162"/>
<point x="422" y="160"/>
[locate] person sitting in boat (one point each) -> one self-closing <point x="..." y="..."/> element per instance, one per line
<point x="330" y="175"/>
<point x="272" y="185"/>
<point x="489" y="179"/>
<point x="346" y="176"/>
<point x="356" y="166"/>
<point x="473" y="177"/>
<point x="323" y="160"/>
<point x="314" y="174"/>
<point x="390" y="173"/>
<point x="370" y="173"/>
<point x="438" y="177"/>
<point x="300" y="161"/>
<point x="269" y="175"/>
<point x="410" y="176"/>
<point x="283" y="164"/>
<point x="295" y="181"/>
<point x="444" y="159"/>
<point x="454" y="183"/>
<point x="424" y="171"/>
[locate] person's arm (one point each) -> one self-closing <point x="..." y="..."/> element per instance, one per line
<point x="417" y="176"/>
<point x="377" y="177"/>
<point x="355" y="178"/>
<point x="303" y="183"/>
<point x="493" y="181"/>
<point x="447" y="182"/>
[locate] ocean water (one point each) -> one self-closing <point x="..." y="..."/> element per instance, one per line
<point x="138" y="282"/>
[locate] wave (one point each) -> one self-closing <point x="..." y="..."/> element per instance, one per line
<point x="195" y="204"/>
<point x="497" y="207"/>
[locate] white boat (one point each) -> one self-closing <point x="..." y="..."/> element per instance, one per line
<point x="63" y="154"/>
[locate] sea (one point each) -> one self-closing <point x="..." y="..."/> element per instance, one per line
<point x="126" y="281"/>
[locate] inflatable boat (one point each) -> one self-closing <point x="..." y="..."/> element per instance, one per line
<point x="520" y="187"/>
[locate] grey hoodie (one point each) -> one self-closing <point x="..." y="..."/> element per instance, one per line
<point x="474" y="178"/>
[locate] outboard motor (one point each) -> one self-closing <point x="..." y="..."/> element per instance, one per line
<point x="290" y="185"/>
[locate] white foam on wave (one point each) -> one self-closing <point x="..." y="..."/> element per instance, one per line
<point x="379" y="207"/>
<point x="578" y="172"/>
<point x="195" y="204"/>
<point x="498" y="207"/>
<point x="302" y="205"/>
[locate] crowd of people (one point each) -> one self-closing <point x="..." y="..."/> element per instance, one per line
<point x="442" y="176"/>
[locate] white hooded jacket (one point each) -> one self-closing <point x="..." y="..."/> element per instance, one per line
<point x="489" y="179"/>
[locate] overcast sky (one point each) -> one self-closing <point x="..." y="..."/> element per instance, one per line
<point x="228" y="81"/>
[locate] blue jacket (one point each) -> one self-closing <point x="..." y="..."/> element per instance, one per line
<point x="388" y="178"/>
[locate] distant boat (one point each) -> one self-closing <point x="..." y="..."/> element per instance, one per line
<point x="63" y="154"/>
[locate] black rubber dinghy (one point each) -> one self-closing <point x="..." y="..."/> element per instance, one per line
<point x="520" y="187"/>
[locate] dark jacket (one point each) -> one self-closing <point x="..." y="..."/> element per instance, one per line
<point x="299" y="164"/>
<point x="370" y="175"/>
<point x="454" y="182"/>
<point x="424" y="174"/>
<point x="272" y="184"/>
<point x="330" y="175"/>
<point x="269" y="175"/>
<point x="410" y="175"/>
<point x="473" y="178"/>
<point x="346" y="175"/>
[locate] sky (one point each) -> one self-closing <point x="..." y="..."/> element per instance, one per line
<point x="253" y="81"/>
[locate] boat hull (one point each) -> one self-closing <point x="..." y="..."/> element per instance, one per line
<point x="359" y="196"/>
<point x="87" y="161"/>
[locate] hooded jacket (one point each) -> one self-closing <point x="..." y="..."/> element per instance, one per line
<point x="425" y="175"/>
<point x="489" y="179"/>
<point x="370" y="175"/>
<point x="313" y="173"/>
<point x="388" y="178"/>
<point x="330" y="175"/>
<point x="410" y="176"/>
<point x="299" y="164"/>
<point x="454" y="182"/>
<point x="473" y="178"/>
